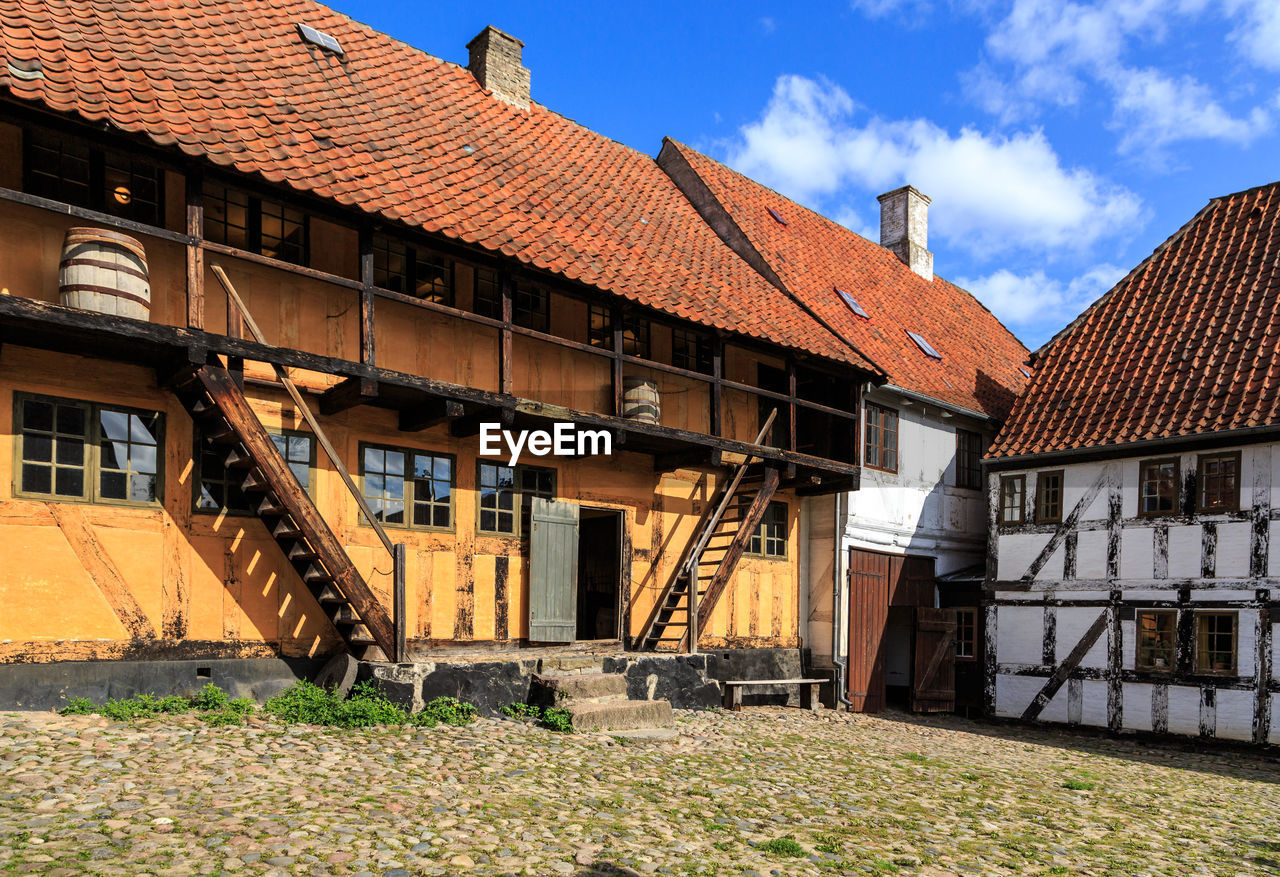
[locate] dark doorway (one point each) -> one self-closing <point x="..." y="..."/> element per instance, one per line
<point x="599" y="574"/>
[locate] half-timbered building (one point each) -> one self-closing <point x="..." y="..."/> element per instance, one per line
<point x="266" y="275"/>
<point x="1133" y="491"/>
<point x="894" y="570"/>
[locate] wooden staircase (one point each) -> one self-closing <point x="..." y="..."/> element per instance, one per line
<point x="736" y="510"/>
<point x="225" y="421"/>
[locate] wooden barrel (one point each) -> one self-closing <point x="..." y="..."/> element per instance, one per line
<point x="640" y="400"/>
<point x="104" y="271"/>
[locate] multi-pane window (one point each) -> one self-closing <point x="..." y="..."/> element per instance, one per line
<point x="968" y="459"/>
<point x="1218" y="482"/>
<point x="600" y="326"/>
<point x="238" y="219"/>
<point x="1013" y="493"/>
<point x="770" y="536"/>
<point x="396" y="479"/>
<point x="82" y="451"/>
<point x="1157" y="632"/>
<point x="691" y="350"/>
<point x="1216" y="642"/>
<point x="412" y="270"/>
<point x="881" y="446"/>
<point x="65" y="168"/>
<point x="531" y="307"/>
<point x="1049" y="497"/>
<point x="504" y="489"/>
<point x="220" y="488"/>
<point x="486" y="296"/>
<point x="967" y="633"/>
<point x="1158" y="487"/>
<point x="635" y="331"/>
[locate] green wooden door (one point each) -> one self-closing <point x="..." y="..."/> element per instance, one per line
<point x="553" y="572"/>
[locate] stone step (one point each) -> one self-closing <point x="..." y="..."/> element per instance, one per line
<point x="621" y="715"/>
<point x="571" y="665"/>
<point x="581" y="687"/>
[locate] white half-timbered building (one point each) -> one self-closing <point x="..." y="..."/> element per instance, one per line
<point x="1131" y="580"/>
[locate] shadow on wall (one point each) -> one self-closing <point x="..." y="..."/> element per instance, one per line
<point x="1226" y="758"/>
<point x="995" y="396"/>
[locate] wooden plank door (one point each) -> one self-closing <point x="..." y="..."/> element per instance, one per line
<point x="553" y="572"/>
<point x="933" y="688"/>
<point x="870" y="575"/>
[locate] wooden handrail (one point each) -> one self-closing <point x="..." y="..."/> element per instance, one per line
<point x="321" y="437"/>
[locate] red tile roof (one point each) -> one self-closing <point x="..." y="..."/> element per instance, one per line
<point x="1184" y="345"/>
<point x="980" y="369"/>
<point x="394" y="131"/>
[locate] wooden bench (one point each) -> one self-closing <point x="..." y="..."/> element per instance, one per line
<point x="808" y="691"/>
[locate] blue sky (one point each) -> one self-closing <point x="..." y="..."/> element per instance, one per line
<point x="1060" y="141"/>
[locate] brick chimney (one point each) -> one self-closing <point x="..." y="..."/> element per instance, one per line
<point x="904" y="228"/>
<point x="495" y="63"/>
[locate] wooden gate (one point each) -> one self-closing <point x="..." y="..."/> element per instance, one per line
<point x="553" y="572"/>
<point x="933" y="676"/>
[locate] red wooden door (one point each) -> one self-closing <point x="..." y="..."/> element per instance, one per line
<point x="870" y="578"/>
<point x="933" y="676"/>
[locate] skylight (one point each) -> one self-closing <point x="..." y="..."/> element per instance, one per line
<point x="853" y="305"/>
<point x="776" y="215"/>
<point x="319" y="38"/>
<point x="1025" y="373"/>
<point x="924" y="345"/>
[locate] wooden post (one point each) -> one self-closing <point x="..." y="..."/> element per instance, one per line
<point x="367" y="352"/>
<point x="398" y="607"/>
<point x="235" y="329"/>
<point x="791" y="404"/>
<point x="615" y="317"/>
<point x="505" y="284"/>
<point x="717" y="388"/>
<point x="693" y="606"/>
<point x="195" y="250"/>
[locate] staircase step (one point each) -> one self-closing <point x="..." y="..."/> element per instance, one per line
<point x="316" y="575"/>
<point x="330" y="594"/>
<point x="286" y="529"/>
<point x="223" y="436"/>
<point x="255" y="482"/>
<point x="344" y="614"/>
<point x="582" y="687"/>
<point x="622" y="715"/>
<point x="302" y="551"/>
<point x="239" y="459"/>
<point x="271" y="507"/>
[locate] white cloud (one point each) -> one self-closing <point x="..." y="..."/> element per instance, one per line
<point x="1258" y="33"/>
<point x="1030" y="302"/>
<point x="992" y="193"/>
<point x="1154" y="110"/>
<point x="884" y="8"/>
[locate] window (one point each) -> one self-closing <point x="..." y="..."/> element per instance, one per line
<point x="1218" y="482"/>
<point x="968" y="459"/>
<point x="1216" y="643"/>
<point x="408" y="488"/>
<point x="1157" y="634"/>
<point x="503" y="489"/>
<point x="635" y="331"/>
<point x="600" y="326"/>
<point x="67" y="169"/>
<point x="691" y="350"/>
<point x="486" y="296"/>
<point x="770" y="537"/>
<point x="1013" y="492"/>
<point x="1158" y="491"/>
<point x="924" y="346"/>
<point x="531" y="308"/>
<point x="967" y="633"/>
<point x="238" y="219"/>
<point x="1049" y="497"/>
<point x="82" y="451"/>
<point x="852" y="304"/>
<point x="220" y="490"/>
<point x="411" y="270"/>
<point x="882" y="438"/>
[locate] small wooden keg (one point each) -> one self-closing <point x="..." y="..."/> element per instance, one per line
<point x="640" y="400"/>
<point x="104" y="271"/>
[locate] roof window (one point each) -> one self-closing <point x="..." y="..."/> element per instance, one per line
<point x="776" y="215"/>
<point x="924" y="345"/>
<point x="852" y="303"/>
<point x="319" y="38"/>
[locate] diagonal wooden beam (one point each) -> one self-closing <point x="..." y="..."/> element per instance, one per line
<point x="1067" y="667"/>
<point x="101" y="570"/>
<point x="1068" y="525"/>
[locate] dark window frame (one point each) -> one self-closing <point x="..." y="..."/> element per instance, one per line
<point x="414" y="259"/>
<point x="200" y="453"/>
<point x="692" y="350"/>
<point x="408" y="486"/>
<point x="969" y="460"/>
<point x="1143" y="481"/>
<point x="99" y="162"/>
<point x="1003" y="508"/>
<point x="874" y="438"/>
<point x="1145" y="655"/>
<point x="519" y="495"/>
<point x="253" y="232"/>
<point x="770" y="545"/>
<point x="90" y="467"/>
<point x="486" y="292"/>
<point x="531" y="306"/>
<point x="966" y="633"/>
<point x="1046" y="513"/>
<point x="1202" y="482"/>
<point x="1203" y="658"/>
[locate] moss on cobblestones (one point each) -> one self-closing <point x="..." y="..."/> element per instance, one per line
<point x="172" y="795"/>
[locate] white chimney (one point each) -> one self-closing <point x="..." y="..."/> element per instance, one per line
<point x="904" y="228"/>
<point x="495" y="63"/>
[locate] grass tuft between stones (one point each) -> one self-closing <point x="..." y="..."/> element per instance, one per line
<point x="553" y="718"/>
<point x="782" y="846"/>
<point x="214" y="704"/>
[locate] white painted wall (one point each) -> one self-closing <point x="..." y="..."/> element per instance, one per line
<point x="1225" y="708"/>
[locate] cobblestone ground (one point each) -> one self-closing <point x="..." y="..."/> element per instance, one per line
<point x="858" y="795"/>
